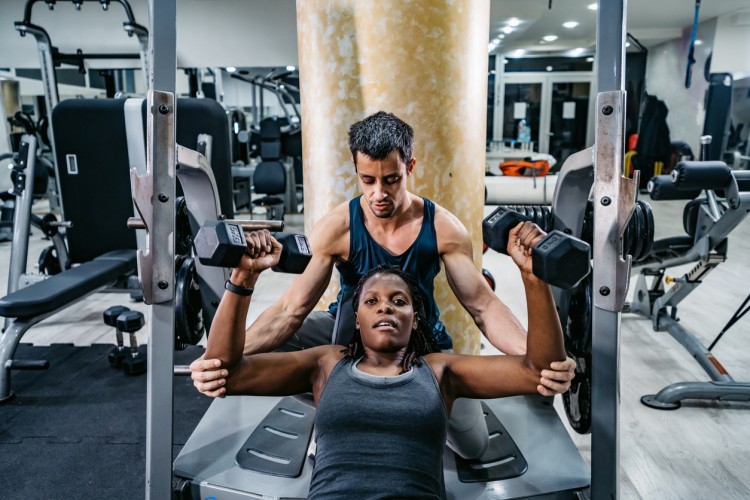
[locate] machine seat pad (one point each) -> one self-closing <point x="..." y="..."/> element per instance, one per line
<point x="58" y="290"/>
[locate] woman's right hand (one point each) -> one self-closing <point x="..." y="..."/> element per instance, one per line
<point x="209" y="377"/>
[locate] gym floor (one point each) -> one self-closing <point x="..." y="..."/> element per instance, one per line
<point x="698" y="451"/>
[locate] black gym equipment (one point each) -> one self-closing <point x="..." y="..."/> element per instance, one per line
<point x="222" y="244"/>
<point x="134" y="362"/>
<point x="558" y="259"/>
<point x="118" y="352"/>
<point x="708" y="221"/>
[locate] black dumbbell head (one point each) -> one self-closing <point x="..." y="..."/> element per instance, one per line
<point x="497" y="225"/>
<point x="295" y="253"/>
<point x="134" y="365"/>
<point x="220" y="243"/>
<point x="561" y="260"/>
<point x="130" y="321"/>
<point x="111" y="314"/>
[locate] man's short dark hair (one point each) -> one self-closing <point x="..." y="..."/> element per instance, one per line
<point x="378" y="135"/>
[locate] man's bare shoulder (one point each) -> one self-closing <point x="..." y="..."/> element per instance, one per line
<point x="330" y="231"/>
<point x="448" y="227"/>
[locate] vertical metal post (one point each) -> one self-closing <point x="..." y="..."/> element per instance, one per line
<point x="161" y="162"/>
<point x="614" y="198"/>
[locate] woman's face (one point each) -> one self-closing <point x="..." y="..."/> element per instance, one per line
<point x="385" y="315"/>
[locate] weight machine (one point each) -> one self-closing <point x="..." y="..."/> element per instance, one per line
<point x="613" y="204"/>
<point x="708" y="222"/>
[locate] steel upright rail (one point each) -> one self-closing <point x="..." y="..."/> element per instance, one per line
<point x="614" y="201"/>
<point x="153" y="195"/>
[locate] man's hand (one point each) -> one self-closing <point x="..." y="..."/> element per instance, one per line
<point x="556" y="380"/>
<point x="208" y="377"/>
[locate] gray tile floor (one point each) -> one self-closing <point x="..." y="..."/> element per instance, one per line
<point x="699" y="451"/>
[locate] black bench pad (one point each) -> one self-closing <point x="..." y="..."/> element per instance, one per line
<point x="57" y="291"/>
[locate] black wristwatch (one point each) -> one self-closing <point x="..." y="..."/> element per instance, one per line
<point x="239" y="290"/>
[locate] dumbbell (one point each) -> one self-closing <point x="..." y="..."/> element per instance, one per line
<point x="222" y="243"/>
<point x="118" y="353"/>
<point x="131" y="322"/>
<point x="558" y="259"/>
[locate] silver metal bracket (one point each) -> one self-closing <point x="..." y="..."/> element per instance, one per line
<point x="614" y="202"/>
<point x="153" y="197"/>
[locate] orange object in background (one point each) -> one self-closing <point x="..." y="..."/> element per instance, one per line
<point x="523" y="168"/>
<point x="632" y="141"/>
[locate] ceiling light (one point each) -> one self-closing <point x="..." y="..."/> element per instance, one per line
<point x="496" y="41"/>
<point x="593" y="6"/>
<point x="699" y="42"/>
<point x="518" y="52"/>
<point x="577" y="51"/>
<point x="501" y="36"/>
<point x="549" y="68"/>
<point x="492" y="72"/>
<point x="589" y="59"/>
<point x="505" y="61"/>
<point x="231" y="69"/>
<point x="627" y="44"/>
<point x="549" y="38"/>
<point x="513" y="21"/>
<point x="507" y="30"/>
<point x="570" y="24"/>
<point x="290" y="68"/>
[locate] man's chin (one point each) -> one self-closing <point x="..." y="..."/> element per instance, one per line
<point x="382" y="214"/>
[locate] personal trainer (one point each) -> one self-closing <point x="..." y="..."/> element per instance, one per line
<point x="387" y="225"/>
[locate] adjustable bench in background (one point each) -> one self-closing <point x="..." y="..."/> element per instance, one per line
<point x="97" y="141"/>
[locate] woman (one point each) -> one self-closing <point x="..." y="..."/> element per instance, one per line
<point x="383" y="401"/>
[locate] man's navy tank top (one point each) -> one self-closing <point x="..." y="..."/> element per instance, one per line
<point x="421" y="260"/>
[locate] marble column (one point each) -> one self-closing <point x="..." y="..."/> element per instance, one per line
<point x="426" y="62"/>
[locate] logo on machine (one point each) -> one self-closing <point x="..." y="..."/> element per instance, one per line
<point x="72" y="163"/>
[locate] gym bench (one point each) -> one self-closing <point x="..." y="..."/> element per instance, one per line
<point x="708" y="222"/>
<point x="41" y="300"/>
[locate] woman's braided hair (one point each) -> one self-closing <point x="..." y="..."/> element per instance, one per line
<point x="421" y="341"/>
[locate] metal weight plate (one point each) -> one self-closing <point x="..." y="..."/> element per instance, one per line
<point x="188" y="321"/>
<point x="577" y="401"/>
<point x="648" y="232"/>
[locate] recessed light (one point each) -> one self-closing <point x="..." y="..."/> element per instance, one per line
<point x="549" y="38"/>
<point x="507" y="30"/>
<point x="231" y="69"/>
<point x="513" y="21"/>
<point x="627" y="44"/>
<point x="492" y="72"/>
<point x="505" y="61"/>
<point x="593" y="6"/>
<point x="589" y="59"/>
<point x="570" y="24"/>
<point x="501" y="36"/>
<point x="699" y="42"/>
<point x="577" y="51"/>
<point x="549" y="68"/>
<point x="290" y="68"/>
<point x="518" y="52"/>
<point x="496" y="41"/>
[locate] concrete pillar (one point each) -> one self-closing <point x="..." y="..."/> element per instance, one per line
<point x="426" y="62"/>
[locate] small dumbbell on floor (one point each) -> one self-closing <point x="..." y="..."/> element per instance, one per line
<point x="135" y="362"/>
<point x="222" y="244"/>
<point x="558" y="259"/>
<point x="118" y="352"/>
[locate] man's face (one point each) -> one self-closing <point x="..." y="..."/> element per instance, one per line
<point x="383" y="182"/>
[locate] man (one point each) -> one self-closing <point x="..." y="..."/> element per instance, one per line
<point x="387" y="225"/>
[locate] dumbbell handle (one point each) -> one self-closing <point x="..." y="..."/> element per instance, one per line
<point x="246" y="225"/>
